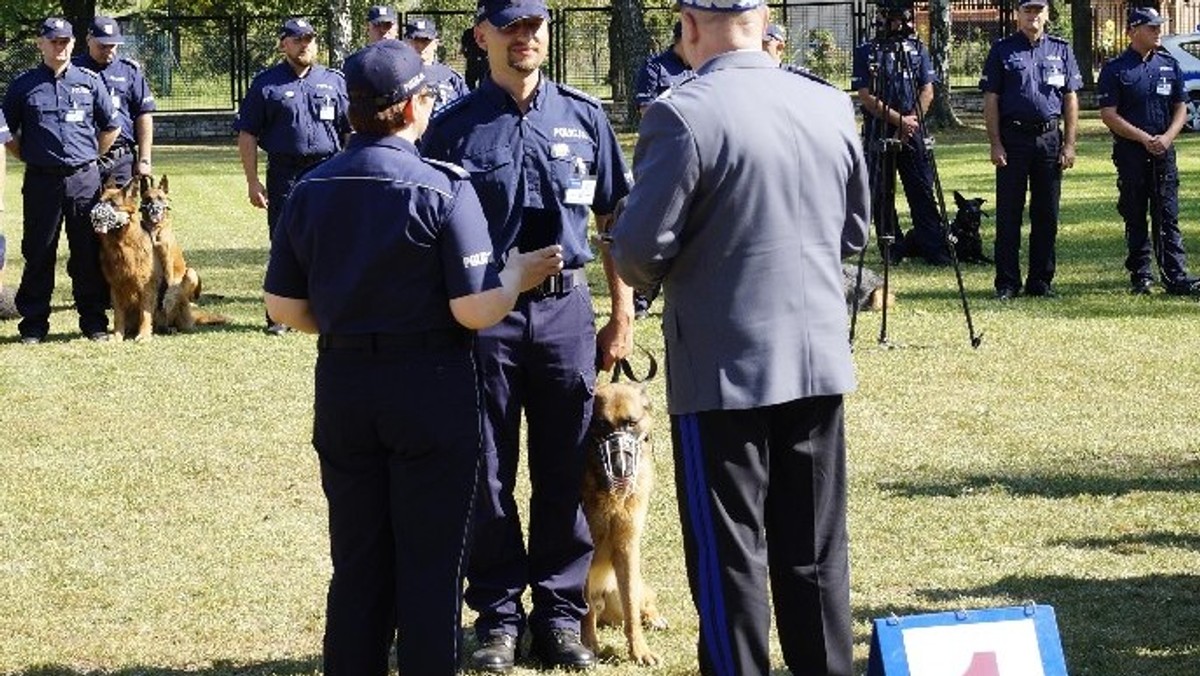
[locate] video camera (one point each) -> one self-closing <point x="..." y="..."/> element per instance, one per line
<point x="893" y="20"/>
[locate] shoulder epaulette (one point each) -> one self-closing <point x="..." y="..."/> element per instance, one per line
<point x="577" y="94"/>
<point x="131" y="63"/>
<point x="450" y="168"/>
<point x="806" y="73"/>
<point x="88" y="71"/>
<point x="1055" y="38"/>
<point x="454" y="105"/>
<point x="336" y="72"/>
<point x="1162" y="51"/>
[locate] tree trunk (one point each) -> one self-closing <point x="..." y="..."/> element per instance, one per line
<point x="629" y="45"/>
<point x="341" y="32"/>
<point x="79" y="13"/>
<point x="1081" y="39"/>
<point x="941" y="113"/>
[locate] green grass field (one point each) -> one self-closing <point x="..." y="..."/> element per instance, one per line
<point x="160" y="511"/>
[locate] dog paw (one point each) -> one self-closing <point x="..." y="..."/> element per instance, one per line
<point x="655" y="623"/>
<point x="643" y="656"/>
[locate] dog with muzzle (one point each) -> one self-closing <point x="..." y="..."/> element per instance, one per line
<point x="616" y="500"/>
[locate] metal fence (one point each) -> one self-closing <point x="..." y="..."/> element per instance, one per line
<point x="205" y="63"/>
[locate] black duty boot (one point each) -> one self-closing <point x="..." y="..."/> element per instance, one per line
<point x="562" y="648"/>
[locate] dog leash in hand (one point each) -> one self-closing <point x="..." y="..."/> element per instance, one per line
<point x="623" y="366"/>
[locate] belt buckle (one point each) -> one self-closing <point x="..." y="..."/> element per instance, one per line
<point x="553" y="285"/>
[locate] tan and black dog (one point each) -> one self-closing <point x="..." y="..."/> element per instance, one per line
<point x="181" y="284"/>
<point x="616" y="500"/>
<point x="127" y="261"/>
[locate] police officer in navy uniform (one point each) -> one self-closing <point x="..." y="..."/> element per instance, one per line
<point x="387" y="256"/>
<point x="1143" y="102"/>
<point x="8" y="306"/>
<point x="62" y="121"/>
<point x="660" y="72"/>
<point x="542" y="157"/>
<point x="296" y="112"/>
<point x="422" y="35"/>
<point x="381" y="23"/>
<point x="896" y="112"/>
<point x="131" y="98"/>
<point x="1031" y="112"/>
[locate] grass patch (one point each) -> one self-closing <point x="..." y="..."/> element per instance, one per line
<point x="160" y="512"/>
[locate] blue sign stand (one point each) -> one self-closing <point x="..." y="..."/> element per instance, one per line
<point x="968" y="643"/>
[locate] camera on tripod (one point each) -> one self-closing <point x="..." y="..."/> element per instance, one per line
<point x="894" y="21"/>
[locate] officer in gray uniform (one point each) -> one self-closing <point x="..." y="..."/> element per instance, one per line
<point x="743" y="205"/>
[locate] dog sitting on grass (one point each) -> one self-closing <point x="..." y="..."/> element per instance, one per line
<point x="127" y="261"/>
<point x="965" y="230"/>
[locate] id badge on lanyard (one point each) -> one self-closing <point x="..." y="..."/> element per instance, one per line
<point x="326" y="113"/>
<point x="581" y="188"/>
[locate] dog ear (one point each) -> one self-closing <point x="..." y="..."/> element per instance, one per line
<point x="146" y="183"/>
<point x="129" y="190"/>
<point x="959" y="199"/>
<point x="162" y="184"/>
<point x="647" y="403"/>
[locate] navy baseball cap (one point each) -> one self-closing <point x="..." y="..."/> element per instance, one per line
<point x="56" y="28"/>
<point x="775" y="32"/>
<point x="381" y="14"/>
<point x="420" y="28"/>
<point x="501" y="13"/>
<point x="1145" y="16"/>
<point x="1034" y="3"/>
<point x="384" y="73"/>
<point x="296" y="28"/>
<point x="106" y="31"/>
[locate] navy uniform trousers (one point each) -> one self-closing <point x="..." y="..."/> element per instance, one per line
<point x="540" y="358"/>
<point x="724" y="460"/>
<point x="119" y="170"/>
<point x="49" y="199"/>
<point x="916" y="175"/>
<point x="282" y="173"/>
<point x="1033" y="165"/>
<point x="1147" y="182"/>
<point x="398" y="437"/>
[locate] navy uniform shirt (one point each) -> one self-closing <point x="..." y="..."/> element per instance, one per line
<point x="379" y="240"/>
<point x="295" y="115"/>
<point x="1030" y="79"/>
<point x="1144" y="91"/>
<point x="901" y="84"/>
<point x="537" y="174"/>
<point x="659" y="73"/>
<point x="57" y="118"/>
<point x="446" y="83"/>
<point x="131" y="95"/>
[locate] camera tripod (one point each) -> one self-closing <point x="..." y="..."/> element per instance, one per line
<point x="890" y="50"/>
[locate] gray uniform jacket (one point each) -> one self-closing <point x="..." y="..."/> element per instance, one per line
<point x="749" y="188"/>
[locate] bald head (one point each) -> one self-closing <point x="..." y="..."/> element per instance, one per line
<point x="707" y="33"/>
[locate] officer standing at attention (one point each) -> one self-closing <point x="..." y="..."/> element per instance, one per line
<point x="62" y="120"/>
<point x="743" y="205"/>
<point x="387" y="256"/>
<point x="896" y="113"/>
<point x="542" y="157"/>
<point x="661" y="72"/>
<point x="422" y="35"/>
<point x="296" y="112"/>
<point x="1144" y="105"/>
<point x="131" y="99"/>
<point x="8" y="306"/>
<point x="381" y="23"/>
<point x="1031" y="112"/>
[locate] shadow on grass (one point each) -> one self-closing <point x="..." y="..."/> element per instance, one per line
<point x="1136" y="543"/>
<point x="1115" y="627"/>
<point x="296" y="667"/>
<point x="1048" y="486"/>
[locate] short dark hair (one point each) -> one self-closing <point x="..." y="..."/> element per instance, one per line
<point x="367" y="118"/>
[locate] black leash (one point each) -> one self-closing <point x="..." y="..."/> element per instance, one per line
<point x="623" y="366"/>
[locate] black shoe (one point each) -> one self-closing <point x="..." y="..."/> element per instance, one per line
<point x="31" y="340"/>
<point x="1040" y="290"/>
<point x="1188" y="286"/>
<point x="496" y="654"/>
<point x="1141" y="286"/>
<point x="561" y="648"/>
<point x="1007" y="293"/>
<point x="98" y="336"/>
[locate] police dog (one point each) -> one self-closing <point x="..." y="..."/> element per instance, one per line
<point x="616" y="499"/>
<point x="176" y="310"/>
<point x="868" y="295"/>
<point x="968" y="242"/>
<point x="127" y="261"/>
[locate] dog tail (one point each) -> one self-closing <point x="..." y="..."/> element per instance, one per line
<point x="209" y="318"/>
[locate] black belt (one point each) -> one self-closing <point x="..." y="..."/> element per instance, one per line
<point x="391" y="342"/>
<point x="301" y="161"/>
<point x="61" y="170"/>
<point x="559" y="284"/>
<point x="1032" y="126"/>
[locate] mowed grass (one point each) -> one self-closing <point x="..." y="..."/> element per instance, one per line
<point x="160" y="510"/>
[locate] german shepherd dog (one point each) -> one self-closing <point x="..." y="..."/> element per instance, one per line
<point x="616" y="499"/>
<point x="127" y="261"/>
<point x="176" y="310"/>
<point x="968" y="242"/>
